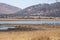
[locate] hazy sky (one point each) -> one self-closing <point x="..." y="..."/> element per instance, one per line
<point x="25" y="3"/>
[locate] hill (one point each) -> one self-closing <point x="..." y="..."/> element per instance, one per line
<point x="8" y="9"/>
<point x="45" y="9"/>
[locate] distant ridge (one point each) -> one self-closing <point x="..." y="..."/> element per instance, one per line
<point x="52" y="9"/>
<point x="8" y="9"/>
<point x="45" y="9"/>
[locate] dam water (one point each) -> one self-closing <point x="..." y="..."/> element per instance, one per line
<point x="31" y="22"/>
<point x="26" y="22"/>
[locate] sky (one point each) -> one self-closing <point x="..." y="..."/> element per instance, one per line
<point x="26" y="3"/>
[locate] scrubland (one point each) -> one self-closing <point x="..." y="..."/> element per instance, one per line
<point x="44" y="32"/>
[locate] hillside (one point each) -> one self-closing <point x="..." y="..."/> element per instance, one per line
<point x="48" y="10"/>
<point x="8" y="9"/>
<point x="45" y="9"/>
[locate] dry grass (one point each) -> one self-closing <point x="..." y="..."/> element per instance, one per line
<point x="30" y="35"/>
<point x="29" y="19"/>
<point x="52" y="33"/>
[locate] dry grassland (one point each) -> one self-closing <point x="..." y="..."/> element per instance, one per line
<point x="50" y="33"/>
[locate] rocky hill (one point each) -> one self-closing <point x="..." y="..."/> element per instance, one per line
<point x="45" y="9"/>
<point x="52" y="9"/>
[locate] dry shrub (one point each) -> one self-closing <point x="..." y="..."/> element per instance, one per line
<point x="41" y="38"/>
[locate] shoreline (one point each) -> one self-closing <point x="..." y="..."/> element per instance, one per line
<point x="22" y="19"/>
<point x="31" y="25"/>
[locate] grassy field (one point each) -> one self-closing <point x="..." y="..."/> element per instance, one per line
<point x="30" y="35"/>
<point x="50" y="32"/>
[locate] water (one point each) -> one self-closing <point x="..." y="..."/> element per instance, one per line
<point x="30" y="22"/>
<point x="25" y="22"/>
<point x="5" y="27"/>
